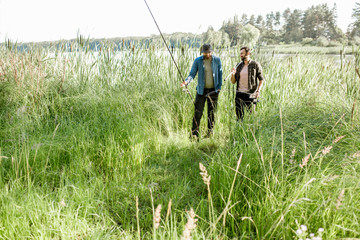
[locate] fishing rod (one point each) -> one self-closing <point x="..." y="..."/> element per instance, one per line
<point x="186" y="89"/>
<point x="231" y="72"/>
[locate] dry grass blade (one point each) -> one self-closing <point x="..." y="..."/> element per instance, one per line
<point x="168" y="210"/>
<point x="353" y="110"/>
<point x="340" y="199"/>
<point x="137" y="217"/>
<point x="231" y="190"/>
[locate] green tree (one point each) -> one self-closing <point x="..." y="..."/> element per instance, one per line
<point x="244" y="19"/>
<point x="233" y="28"/>
<point x="260" y="23"/>
<point x="277" y="19"/>
<point x="293" y="28"/>
<point x="286" y="14"/>
<point x="320" y="21"/>
<point x="249" y="35"/>
<point x="216" y="38"/>
<point x="355" y="26"/>
<point x="236" y="33"/>
<point x="270" y="19"/>
<point x="252" y="20"/>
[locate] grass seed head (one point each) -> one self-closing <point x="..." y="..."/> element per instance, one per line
<point x="305" y="161"/>
<point x="326" y="150"/>
<point x="292" y="156"/>
<point x="62" y="203"/>
<point x="338" y="139"/>
<point x="205" y="176"/>
<point x="356" y="155"/>
<point x="157" y="217"/>
<point x="190" y="225"/>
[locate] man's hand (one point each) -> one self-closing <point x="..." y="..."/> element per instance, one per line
<point x="232" y="79"/>
<point x="183" y="84"/>
<point x="256" y="94"/>
<point x="233" y="71"/>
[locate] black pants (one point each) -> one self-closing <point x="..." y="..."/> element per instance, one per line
<point x="242" y="102"/>
<point x="199" y="108"/>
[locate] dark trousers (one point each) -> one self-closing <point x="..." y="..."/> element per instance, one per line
<point x="199" y="108"/>
<point x="243" y="102"/>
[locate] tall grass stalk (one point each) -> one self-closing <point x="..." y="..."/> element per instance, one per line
<point x="231" y="190"/>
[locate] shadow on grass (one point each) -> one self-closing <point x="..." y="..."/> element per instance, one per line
<point x="172" y="174"/>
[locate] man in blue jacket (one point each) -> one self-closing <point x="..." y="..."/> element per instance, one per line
<point x="209" y="84"/>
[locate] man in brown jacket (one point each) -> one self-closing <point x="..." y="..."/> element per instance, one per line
<point x="249" y="80"/>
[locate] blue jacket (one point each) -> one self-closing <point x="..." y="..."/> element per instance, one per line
<point x="198" y="67"/>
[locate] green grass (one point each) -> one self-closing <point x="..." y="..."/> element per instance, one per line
<point x="84" y="134"/>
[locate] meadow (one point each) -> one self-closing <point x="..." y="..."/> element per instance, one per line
<point x="296" y="48"/>
<point x="95" y="145"/>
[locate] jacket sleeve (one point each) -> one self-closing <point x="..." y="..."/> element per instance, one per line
<point x="259" y="72"/>
<point x="220" y="75"/>
<point x="193" y="72"/>
<point x="237" y="73"/>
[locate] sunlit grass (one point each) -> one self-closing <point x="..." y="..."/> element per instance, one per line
<point x="84" y="134"/>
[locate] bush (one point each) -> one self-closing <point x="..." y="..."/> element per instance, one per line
<point x="356" y="40"/>
<point x="306" y="41"/>
<point x="335" y="44"/>
<point x="322" y="42"/>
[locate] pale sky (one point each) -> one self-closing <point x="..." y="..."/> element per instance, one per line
<point x="48" y="20"/>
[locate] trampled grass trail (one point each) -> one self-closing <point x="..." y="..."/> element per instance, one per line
<point x="95" y="145"/>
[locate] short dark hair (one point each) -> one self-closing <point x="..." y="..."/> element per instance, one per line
<point x="246" y="49"/>
<point x="206" y="48"/>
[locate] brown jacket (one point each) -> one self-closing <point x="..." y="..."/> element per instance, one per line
<point x="255" y="75"/>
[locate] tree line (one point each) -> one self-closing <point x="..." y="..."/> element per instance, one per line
<point x="317" y="25"/>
